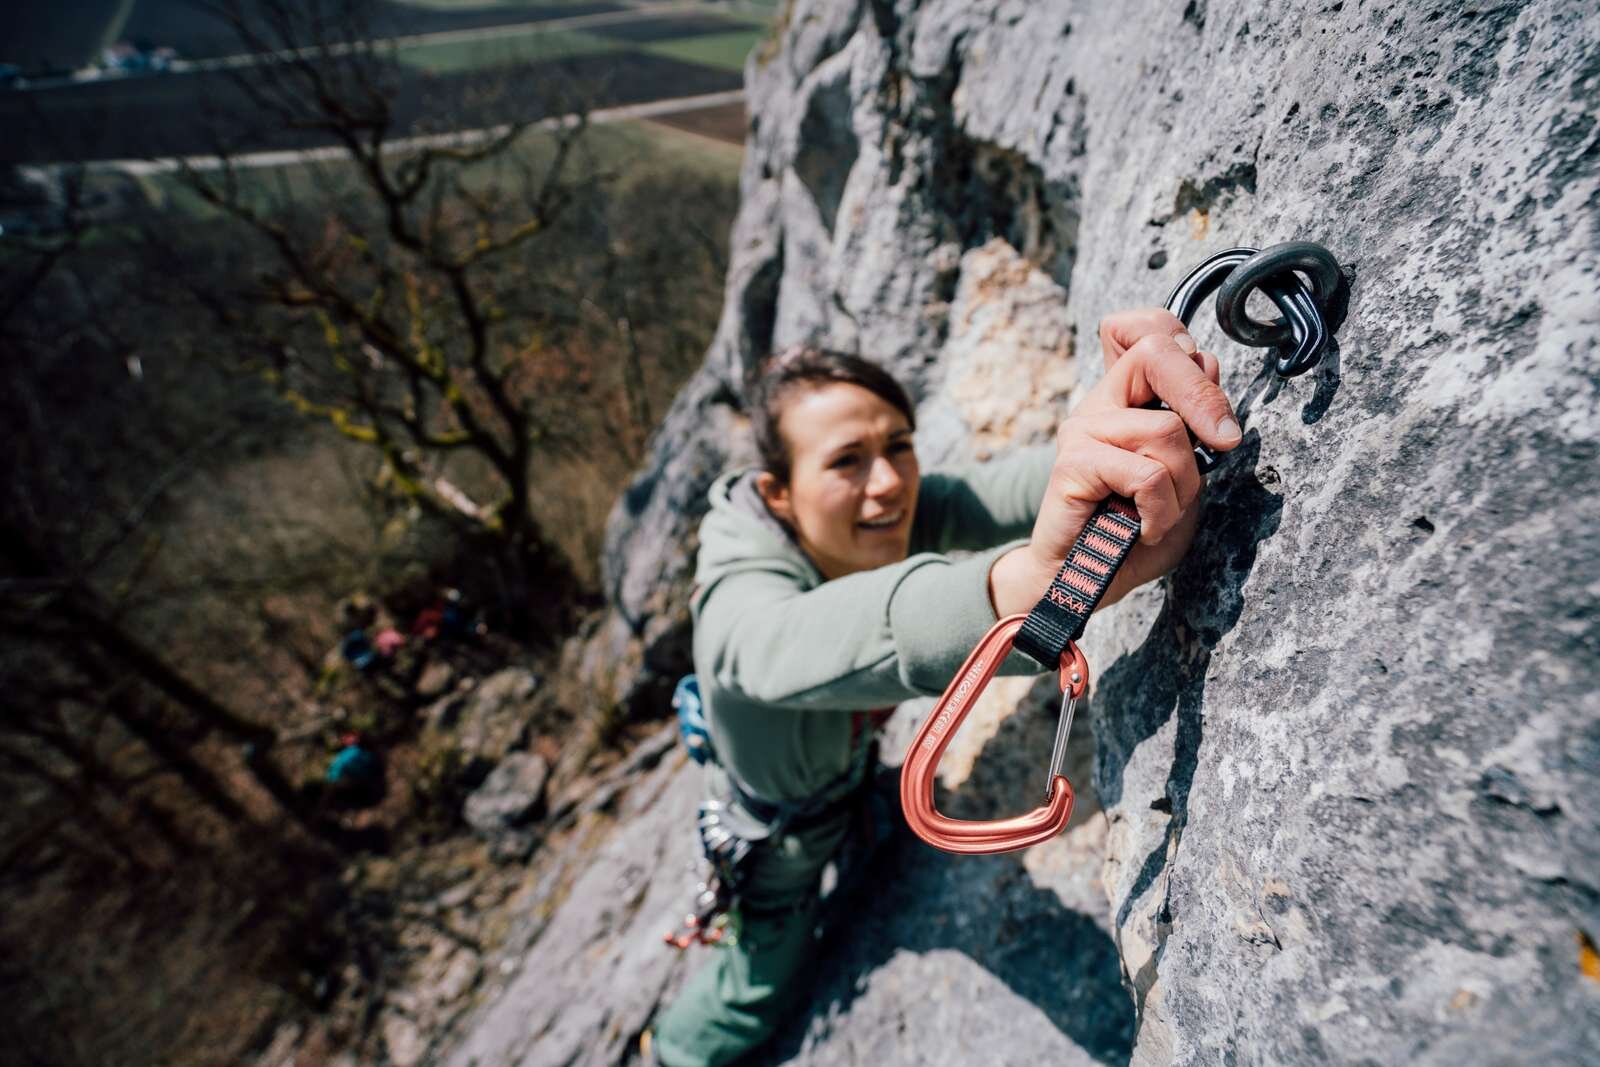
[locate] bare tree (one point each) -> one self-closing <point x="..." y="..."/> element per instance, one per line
<point x="485" y="320"/>
<point x="70" y="660"/>
<point x="400" y="305"/>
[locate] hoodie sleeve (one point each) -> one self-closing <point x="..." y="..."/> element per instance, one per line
<point x="982" y="504"/>
<point x="864" y="640"/>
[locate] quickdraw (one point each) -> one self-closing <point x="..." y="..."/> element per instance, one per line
<point x="710" y="921"/>
<point x="1050" y="631"/>
<point x="927" y="748"/>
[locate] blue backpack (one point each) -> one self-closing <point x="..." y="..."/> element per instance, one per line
<point x="692" y="727"/>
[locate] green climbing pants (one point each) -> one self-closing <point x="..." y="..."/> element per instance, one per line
<point x="746" y="990"/>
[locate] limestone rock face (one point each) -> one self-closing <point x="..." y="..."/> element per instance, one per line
<point x="1347" y="752"/>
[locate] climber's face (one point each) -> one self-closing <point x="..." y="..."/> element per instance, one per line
<point x="853" y="478"/>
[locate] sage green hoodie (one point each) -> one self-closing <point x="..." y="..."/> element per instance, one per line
<point x="780" y="652"/>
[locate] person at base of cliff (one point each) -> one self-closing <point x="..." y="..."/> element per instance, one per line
<point x="355" y="776"/>
<point x="429" y="621"/>
<point x="388" y="643"/>
<point x="823" y="591"/>
<point x="356" y="648"/>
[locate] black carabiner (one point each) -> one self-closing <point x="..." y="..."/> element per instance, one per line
<point x="1272" y="270"/>
<point x="1236" y="272"/>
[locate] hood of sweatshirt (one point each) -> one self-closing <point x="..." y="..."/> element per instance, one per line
<point x="740" y="534"/>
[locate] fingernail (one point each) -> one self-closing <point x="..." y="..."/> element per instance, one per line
<point x="1228" y="430"/>
<point x="1186" y="343"/>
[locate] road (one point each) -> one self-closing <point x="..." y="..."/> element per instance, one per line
<point x="655" y="109"/>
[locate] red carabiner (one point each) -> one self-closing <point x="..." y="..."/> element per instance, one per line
<point x="922" y="761"/>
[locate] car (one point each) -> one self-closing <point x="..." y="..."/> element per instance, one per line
<point x="125" y="57"/>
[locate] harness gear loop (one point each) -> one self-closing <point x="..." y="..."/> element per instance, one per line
<point x="922" y="761"/>
<point x="1050" y="631"/>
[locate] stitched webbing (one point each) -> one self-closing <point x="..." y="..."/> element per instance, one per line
<point x="1062" y="612"/>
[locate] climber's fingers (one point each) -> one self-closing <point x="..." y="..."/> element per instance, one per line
<point x="1154" y="434"/>
<point x="1095" y="470"/>
<point x="1122" y="330"/>
<point x="1156" y="368"/>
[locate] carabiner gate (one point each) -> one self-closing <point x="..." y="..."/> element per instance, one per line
<point x="928" y="748"/>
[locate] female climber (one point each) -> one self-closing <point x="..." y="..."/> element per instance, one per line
<point x="822" y="593"/>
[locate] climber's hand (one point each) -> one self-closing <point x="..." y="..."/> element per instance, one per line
<point x="1112" y="444"/>
<point x="1122" y="330"/>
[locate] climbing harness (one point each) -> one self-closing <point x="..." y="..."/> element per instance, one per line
<point x="729" y="838"/>
<point x="1050" y="631"/>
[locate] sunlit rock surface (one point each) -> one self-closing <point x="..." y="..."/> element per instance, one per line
<point x="1347" y="753"/>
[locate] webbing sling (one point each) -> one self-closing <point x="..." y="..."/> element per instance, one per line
<point x="1060" y="615"/>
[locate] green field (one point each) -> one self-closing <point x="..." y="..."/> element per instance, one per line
<point x="454" y="5"/>
<point x="758" y="7"/>
<point x="726" y="51"/>
<point x="722" y="50"/>
<point x="528" y="46"/>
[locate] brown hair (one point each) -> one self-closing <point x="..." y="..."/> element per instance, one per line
<point x="804" y="365"/>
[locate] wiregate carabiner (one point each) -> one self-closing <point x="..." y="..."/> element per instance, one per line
<point x="922" y="760"/>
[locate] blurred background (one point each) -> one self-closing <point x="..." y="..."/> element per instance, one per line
<point x="332" y="330"/>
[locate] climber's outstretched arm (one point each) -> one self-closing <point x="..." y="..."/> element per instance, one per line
<point x="1111" y="443"/>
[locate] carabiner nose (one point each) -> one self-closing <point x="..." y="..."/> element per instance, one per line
<point x="928" y="747"/>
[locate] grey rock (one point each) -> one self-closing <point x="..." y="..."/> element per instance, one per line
<point x="949" y="960"/>
<point x="492" y="719"/>
<point x="459" y="976"/>
<point x="442" y="974"/>
<point x="435" y="679"/>
<point x="510" y="797"/>
<point x="404" y="1040"/>
<point x="1347" y="752"/>
<point x="586" y="980"/>
<point x="458" y="896"/>
<point x="513" y="846"/>
<point x="441" y="715"/>
<point x="282" y="1050"/>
